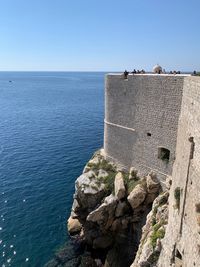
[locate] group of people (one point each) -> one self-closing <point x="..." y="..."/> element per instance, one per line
<point x="126" y="73"/>
<point x="175" y="72"/>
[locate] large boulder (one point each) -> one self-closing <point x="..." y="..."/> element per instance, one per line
<point x="137" y="196"/>
<point x="89" y="192"/>
<point x="104" y="214"/>
<point x="73" y="226"/>
<point x="120" y="191"/>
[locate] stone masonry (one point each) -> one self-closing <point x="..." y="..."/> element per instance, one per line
<point x="141" y="119"/>
<point x="181" y="245"/>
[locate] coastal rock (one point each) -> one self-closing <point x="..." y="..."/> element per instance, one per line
<point x="137" y="196"/>
<point x="152" y="233"/>
<point x="73" y="226"/>
<point x="121" y="209"/>
<point x="105" y="212"/>
<point x="89" y="192"/>
<point x="120" y="191"/>
<point x="103" y="242"/>
<point x="102" y="173"/>
<point x="153" y="185"/>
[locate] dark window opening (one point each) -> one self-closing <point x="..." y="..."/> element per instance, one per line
<point x="163" y="153"/>
<point x="148" y="134"/>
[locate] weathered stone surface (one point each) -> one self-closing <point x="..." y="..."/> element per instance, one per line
<point x="121" y="209"/>
<point x="152" y="233"/>
<point x="89" y="192"/>
<point x="102" y="173"/>
<point x="153" y="185"/>
<point x="103" y="242"/>
<point x="105" y="211"/>
<point x="120" y="191"/>
<point x="73" y="226"/>
<point x="137" y="196"/>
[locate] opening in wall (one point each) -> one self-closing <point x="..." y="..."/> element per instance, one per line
<point x="148" y="134"/>
<point x="163" y="153"/>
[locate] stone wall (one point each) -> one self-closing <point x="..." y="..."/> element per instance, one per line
<point x="181" y="245"/>
<point x="141" y="115"/>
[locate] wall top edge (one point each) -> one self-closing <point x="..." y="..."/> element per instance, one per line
<point x="153" y="74"/>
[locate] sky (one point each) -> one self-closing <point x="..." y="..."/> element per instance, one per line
<point x="99" y="35"/>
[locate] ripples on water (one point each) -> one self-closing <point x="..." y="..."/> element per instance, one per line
<point x="50" y="124"/>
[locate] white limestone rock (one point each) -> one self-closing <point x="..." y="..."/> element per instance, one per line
<point x="137" y="196"/>
<point x="120" y="191"/>
<point x="106" y="208"/>
<point x="74" y="226"/>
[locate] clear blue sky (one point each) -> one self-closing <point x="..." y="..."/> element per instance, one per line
<point x="99" y="34"/>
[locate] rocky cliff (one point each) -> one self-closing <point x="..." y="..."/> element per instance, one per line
<point x="109" y="210"/>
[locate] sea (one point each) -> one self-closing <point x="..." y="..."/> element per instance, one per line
<point x="51" y="123"/>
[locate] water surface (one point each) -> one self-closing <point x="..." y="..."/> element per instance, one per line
<point x="50" y="125"/>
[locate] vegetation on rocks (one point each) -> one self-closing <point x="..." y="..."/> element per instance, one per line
<point x="158" y="233"/>
<point x="110" y="203"/>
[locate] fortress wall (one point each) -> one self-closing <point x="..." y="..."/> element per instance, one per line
<point x="137" y="106"/>
<point x="183" y="230"/>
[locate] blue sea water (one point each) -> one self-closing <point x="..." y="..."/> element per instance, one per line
<point x="50" y="125"/>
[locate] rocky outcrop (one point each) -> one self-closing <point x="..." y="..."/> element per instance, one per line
<point x="110" y="207"/>
<point x="153" y="233"/>
<point x="74" y="226"/>
<point x="137" y="196"/>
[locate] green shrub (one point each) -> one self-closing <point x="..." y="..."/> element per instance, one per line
<point x="130" y="184"/>
<point x="103" y="164"/>
<point x="157" y="233"/>
<point x="109" y="182"/>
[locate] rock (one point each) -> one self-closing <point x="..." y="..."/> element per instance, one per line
<point x="75" y="207"/>
<point x="116" y="225"/>
<point x="150" y="198"/>
<point x="102" y="242"/>
<point x="87" y="261"/>
<point x="133" y="173"/>
<point x="158" y="245"/>
<point x="147" y="251"/>
<point x="89" y="192"/>
<point x="120" y="191"/>
<point x="94" y="161"/>
<point x="168" y="182"/>
<point x="153" y="185"/>
<point x="137" y="196"/>
<point x="73" y="262"/>
<point x="102" y="173"/>
<point x="121" y="209"/>
<point x="73" y="226"/>
<point x="104" y="212"/>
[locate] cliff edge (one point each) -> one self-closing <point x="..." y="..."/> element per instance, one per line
<point x="110" y="208"/>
